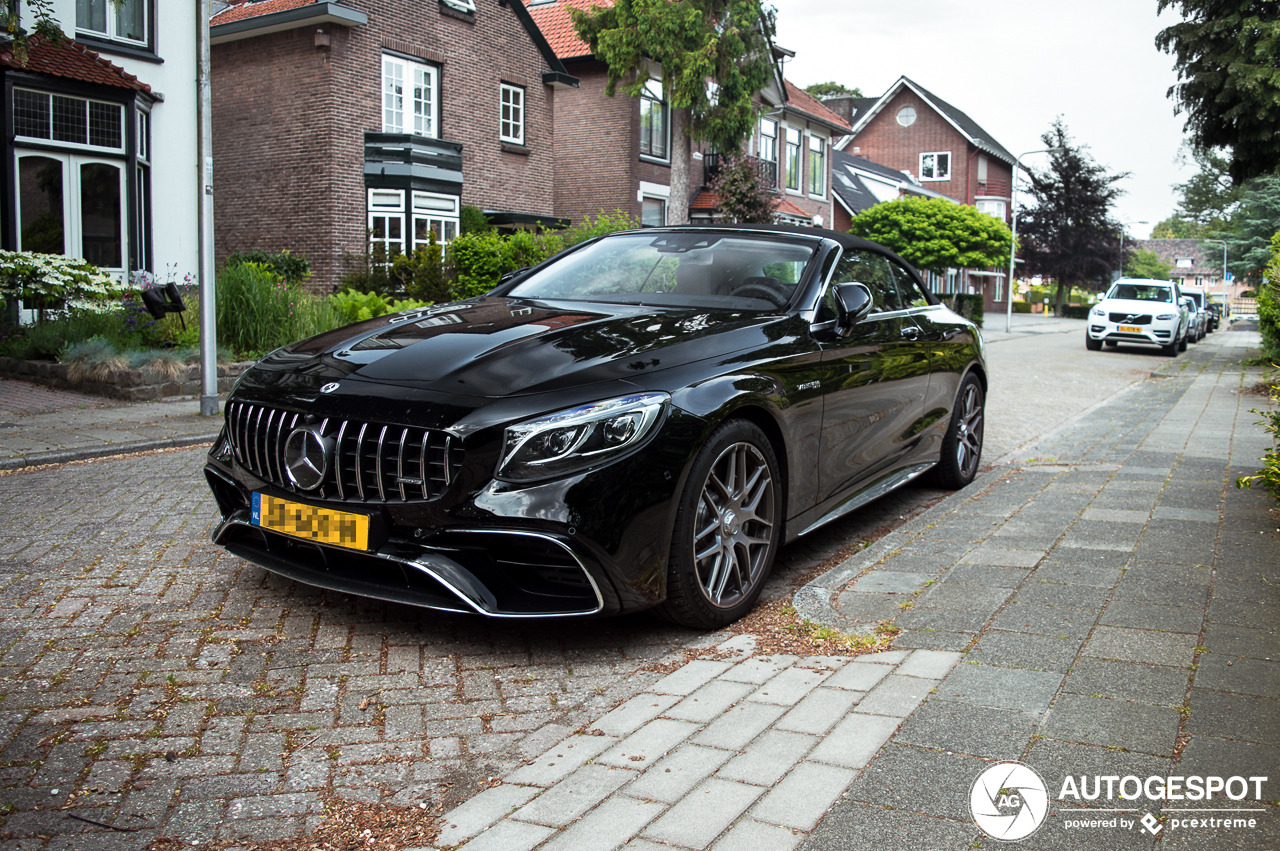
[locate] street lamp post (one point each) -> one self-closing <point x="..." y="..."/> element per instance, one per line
<point x="1013" y="212"/>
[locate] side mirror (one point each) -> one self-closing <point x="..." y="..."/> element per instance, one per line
<point x="853" y="303"/>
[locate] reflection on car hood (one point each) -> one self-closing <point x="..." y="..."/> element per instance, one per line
<point x="503" y="346"/>
<point x="1137" y="308"/>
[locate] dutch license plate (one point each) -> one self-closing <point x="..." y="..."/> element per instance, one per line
<point x="1132" y="329"/>
<point x="322" y="525"/>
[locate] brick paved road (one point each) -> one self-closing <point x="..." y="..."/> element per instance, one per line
<point x="152" y="682"/>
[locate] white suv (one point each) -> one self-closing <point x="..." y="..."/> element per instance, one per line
<point x="1138" y="310"/>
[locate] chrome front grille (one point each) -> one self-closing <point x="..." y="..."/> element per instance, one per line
<point x="1123" y="319"/>
<point x="370" y="463"/>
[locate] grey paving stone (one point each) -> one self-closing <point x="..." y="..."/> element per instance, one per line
<point x="1000" y="688"/>
<point x="802" y="797"/>
<point x="1160" y="618"/>
<point x="1114" y="723"/>
<point x="509" y="836"/>
<point x="987" y="575"/>
<point x="734" y="729"/>
<point x="1134" y="681"/>
<point x="1003" y="556"/>
<point x="708" y="702"/>
<point x="606" y="827"/>
<point x="635" y="713"/>
<point x="573" y="796"/>
<point x="757" y="669"/>
<point x="1074" y="574"/>
<point x="1138" y="590"/>
<point x="1057" y="760"/>
<point x="889" y="582"/>
<point x="906" y="778"/>
<point x="868" y="608"/>
<point x="958" y="596"/>
<point x="788" y="687"/>
<point x="1111" y="515"/>
<point x="704" y="813"/>
<point x="562" y="760"/>
<point x="1234" y="716"/>
<point x="482" y="811"/>
<point x="1157" y="571"/>
<point x="1242" y="614"/>
<point x="965" y="729"/>
<point x="855" y="740"/>
<point x="751" y="835"/>
<point x="671" y="778"/>
<point x="1044" y="620"/>
<point x="1200" y="515"/>
<point x="929" y="664"/>
<point x="896" y="696"/>
<point x="768" y="757"/>
<point x="1020" y="650"/>
<point x="923" y="639"/>
<point x="1140" y="645"/>
<point x="1086" y="557"/>
<point x="819" y="711"/>
<point x="861" y="827"/>
<point x="948" y="620"/>
<point x="1065" y="596"/>
<point x="648" y="744"/>
<point x="1206" y="756"/>
<point x="689" y="677"/>
<point x="1232" y="640"/>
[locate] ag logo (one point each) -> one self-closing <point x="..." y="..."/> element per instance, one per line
<point x="1009" y="801"/>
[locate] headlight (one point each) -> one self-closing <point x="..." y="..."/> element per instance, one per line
<point x="1165" y="317"/>
<point x="1098" y="311"/>
<point x="580" y="438"/>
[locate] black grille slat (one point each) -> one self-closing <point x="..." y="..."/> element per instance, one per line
<point x="372" y="463"/>
<point x="1123" y="319"/>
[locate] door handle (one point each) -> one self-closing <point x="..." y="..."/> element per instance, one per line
<point x="911" y="332"/>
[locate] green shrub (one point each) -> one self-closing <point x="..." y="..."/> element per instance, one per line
<point x="293" y="268"/>
<point x="1269" y="304"/>
<point x="49" y="340"/>
<point x="1075" y="311"/>
<point x="52" y="281"/>
<point x="258" y="311"/>
<point x="473" y="220"/>
<point x="355" y="306"/>
<point x="1022" y="307"/>
<point x="1269" y="476"/>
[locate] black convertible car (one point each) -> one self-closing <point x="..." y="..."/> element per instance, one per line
<point x="641" y="421"/>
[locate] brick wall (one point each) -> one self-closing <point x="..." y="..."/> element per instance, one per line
<point x="290" y="118"/>
<point x="886" y="142"/>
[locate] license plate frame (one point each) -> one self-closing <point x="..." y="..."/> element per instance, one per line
<point x="345" y="529"/>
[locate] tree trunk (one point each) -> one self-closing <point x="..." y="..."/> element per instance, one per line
<point x="678" y="204"/>
<point x="1059" y="309"/>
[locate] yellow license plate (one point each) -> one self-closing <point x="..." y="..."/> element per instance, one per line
<point x="322" y="525"/>
<point x="1132" y="329"/>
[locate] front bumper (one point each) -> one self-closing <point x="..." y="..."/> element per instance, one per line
<point x="1154" y="332"/>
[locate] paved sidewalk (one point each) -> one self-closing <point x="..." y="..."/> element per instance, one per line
<point x="1105" y="606"/>
<point x="39" y="425"/>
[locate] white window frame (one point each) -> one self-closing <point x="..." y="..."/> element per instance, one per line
<point x="653" y="102"/>
<point x="511" y="114"/>
<point x="404" y="108"/>
<point x="440" y="213"/>
<point x="662" y="206"/>
<point x="991" y="208"/>
<point x="78" y="146"/>
<point x="793" y="142"/>
<point x="72" y="213"/>
<point x="110" y="15"/>
<point x="931" y="161"/>
<point x="817" y="166"/>
<point x="386" y="205"/>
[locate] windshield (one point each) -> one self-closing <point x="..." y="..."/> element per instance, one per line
<point x="1142" y="292"/>
<point x="705" y="269"/>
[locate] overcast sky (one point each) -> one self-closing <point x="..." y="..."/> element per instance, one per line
<point x="1014" y="66"/>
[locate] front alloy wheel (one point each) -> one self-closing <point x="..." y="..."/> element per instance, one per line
<point x="962" y="446"/>
<point x="727" y="530"/>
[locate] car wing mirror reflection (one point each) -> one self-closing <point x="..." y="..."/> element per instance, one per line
<point x="853" y="303"/>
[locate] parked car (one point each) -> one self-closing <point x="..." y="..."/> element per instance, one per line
<point x="1139" y="310"/>
<point x="640" y="422"/>
<point x="1215" y="316"/>
<point x="1195" y="321"/>
<point x="1201" y="302"/>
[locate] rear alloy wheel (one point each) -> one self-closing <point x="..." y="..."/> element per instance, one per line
<point x="962" y="446"/>
<point x="727" y="530"/>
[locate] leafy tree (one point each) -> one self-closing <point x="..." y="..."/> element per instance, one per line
<point x="832" y="90"/>
<point x="1177" y="227"/>
<point x="1209" y="198"/>
<point x="46" y="26"/>
<point x="1227" y="54"/>
<point x="1253" y="225"/>
<point x="1146" y="264"/>
<point x="744" y="195"/>
<point x="713" y="57"/>
<point x="1070" y="236"/>
<point x="935" y="235"/>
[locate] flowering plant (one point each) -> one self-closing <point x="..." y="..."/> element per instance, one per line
<point x="54" y="279"/>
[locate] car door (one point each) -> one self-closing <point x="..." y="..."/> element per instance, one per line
<point x="876" y="377"/>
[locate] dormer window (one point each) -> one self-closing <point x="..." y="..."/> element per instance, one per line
<point x="1184" y="262"/>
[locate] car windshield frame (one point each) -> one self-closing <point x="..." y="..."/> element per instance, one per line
<point x="735" y="270"/>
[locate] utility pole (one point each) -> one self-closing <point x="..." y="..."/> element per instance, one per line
<point x="208" y="311"/>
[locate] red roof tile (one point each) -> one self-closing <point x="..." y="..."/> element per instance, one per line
<point x="785" y="206"/>
<point x="256" y="8"/>
<point x="71" y="61"/>
<point x="801" y="101"/>
<point x="556" y="25"/>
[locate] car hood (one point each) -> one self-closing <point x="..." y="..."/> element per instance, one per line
<point x="1138" y="308"/>
<point x="499" y="346"/>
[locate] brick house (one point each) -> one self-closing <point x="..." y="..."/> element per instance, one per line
<point x="98" y="130"/>
<point x="912" y="130"/>
<point x="859" y="184"/>
<point x="337" y="122"/>
<point x="615" y="153"/>
<point x="1194" y="262"/>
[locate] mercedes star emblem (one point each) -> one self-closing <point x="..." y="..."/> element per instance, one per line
<point x="330" y="387"/>
<point x="306" y="457"/>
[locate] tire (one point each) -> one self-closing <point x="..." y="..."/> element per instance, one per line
<point x="1182" y="344"/>
<point x="962" y="446"/>
<point x="1172" y="349"/>
<point x="1092" y="344"/>
<point x="727" y="531"/>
